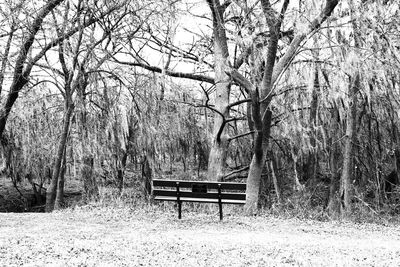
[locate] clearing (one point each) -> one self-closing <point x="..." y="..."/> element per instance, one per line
<point x="153" y="236"/>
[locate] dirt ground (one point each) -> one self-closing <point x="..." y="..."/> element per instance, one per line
<point x="155" y="237"/>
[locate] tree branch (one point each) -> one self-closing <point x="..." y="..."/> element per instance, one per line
<point x="299" y="37"/>
<point x="237" y="171"/>
<point x="238" y="103"/>
<point x="191" y="76"/>
<point x="240" y="79"/>
<point x="240" y="135"/>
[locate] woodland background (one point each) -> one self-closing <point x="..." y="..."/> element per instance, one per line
<point x="299" y="99"/>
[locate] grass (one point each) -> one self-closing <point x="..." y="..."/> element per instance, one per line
<point x="98" y="235"/>
<point x="130" y="233"/>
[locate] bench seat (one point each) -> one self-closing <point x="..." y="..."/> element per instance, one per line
<point x="202" y="200"/>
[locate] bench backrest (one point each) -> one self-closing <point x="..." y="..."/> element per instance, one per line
<point x="199" y="189"/>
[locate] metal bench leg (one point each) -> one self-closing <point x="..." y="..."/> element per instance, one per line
<point x="178" y="194"/>
<point x="179" y="209"/>
<point x="220" y="202"/>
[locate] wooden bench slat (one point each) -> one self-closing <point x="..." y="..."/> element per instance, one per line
<point x="211" y="195"/>
<point x="203" y="200"/>
<point x="210" y="185"/>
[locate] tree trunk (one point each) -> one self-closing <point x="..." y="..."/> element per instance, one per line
<point x="52" y="190"/>
<point x="91" y="191"/>
<point x="312" y="159"/>
<point x="147" y="177"/>
<point x="59" y="202"/>
<point x="257" y="164"/>
<point x="333" y="199"/>
<point x="253" y="185"/>
<point x="347" y="169"/>
<point x="262" y="115"/>
<point x="345" y="181"/>
<point x="217" y="160"/>
<point x="219" y="144"/>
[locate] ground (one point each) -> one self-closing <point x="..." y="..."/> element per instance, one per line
<point x="153" y="236"/>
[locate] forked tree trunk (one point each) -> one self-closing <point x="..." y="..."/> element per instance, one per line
<point x="52" y="190"/>
<point x="257" y="164"/>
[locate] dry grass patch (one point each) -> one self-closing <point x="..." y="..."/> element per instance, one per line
<point x="153" y="236"/>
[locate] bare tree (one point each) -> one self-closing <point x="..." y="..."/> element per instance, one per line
<point x="75" y="73"/>
<point x="261" y="94"/>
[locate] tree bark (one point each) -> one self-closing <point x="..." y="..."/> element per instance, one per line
<point x="345" y="181"/>
<point x="219" y="144"/>
<point x="348" y="164"/>
<point x="257" y="163"/>
<point x="59" y="202"/>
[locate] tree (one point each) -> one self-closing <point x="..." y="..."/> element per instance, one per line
<point x="76" y="78"/>
<point x="23" y="65"/>
<point x="261" y="94"/>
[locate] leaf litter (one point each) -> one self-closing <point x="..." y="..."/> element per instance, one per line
<point x="127" y="237"/>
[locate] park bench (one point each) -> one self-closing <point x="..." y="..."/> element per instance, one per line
<point x="199" y="191"/>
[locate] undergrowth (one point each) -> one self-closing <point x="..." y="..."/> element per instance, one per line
<point x="304" y="205"/>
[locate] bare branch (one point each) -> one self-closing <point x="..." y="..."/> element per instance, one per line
<point x="5" y="55"/>
<point x="240" y="79"/>
<point x="299" y="37"/>
<point x="238" y="103"/>
<point x="191" y="76"/>
<point x="240" y="135"/>
<point x="237" y="171"/>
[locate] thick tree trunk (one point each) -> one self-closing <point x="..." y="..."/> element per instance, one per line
<point x="261" y="116"/>
<point x="253" y="185"/>
<point x="52" y="190"/>
<point x="257" y="164"/>
<point x="217" y="160"/>
<point x="219" y="145"/>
